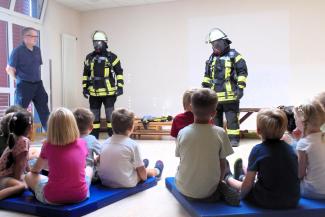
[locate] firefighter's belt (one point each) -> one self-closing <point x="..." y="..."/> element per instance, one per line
<point x="99" y="78"/>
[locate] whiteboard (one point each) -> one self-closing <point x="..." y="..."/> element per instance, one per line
<point x="265" y="49"/>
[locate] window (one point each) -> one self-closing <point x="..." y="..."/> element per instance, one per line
<point x="4" y="78"/>
<point x="32" y="8"/>
<point x="4" y="103"/>
<point x="5" y="3"/>
<point x="17" y="37"/>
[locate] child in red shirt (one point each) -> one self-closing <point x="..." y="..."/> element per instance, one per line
<point x="184" y="119"/>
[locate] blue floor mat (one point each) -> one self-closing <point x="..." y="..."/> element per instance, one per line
<point x="306" y="208"/>
<point x="100" y="196"/>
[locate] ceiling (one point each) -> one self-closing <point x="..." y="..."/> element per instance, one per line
<point x="86" y="5"/>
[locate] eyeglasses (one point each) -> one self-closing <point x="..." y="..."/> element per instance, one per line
<point x="32" y="36"/>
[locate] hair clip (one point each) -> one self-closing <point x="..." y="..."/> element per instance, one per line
<point x="14" y="117"/>
<point x="30" y="120"/>
<point x="300" y="110"/>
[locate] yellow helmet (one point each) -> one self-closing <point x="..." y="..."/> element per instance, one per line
<point x="99" y="36"/>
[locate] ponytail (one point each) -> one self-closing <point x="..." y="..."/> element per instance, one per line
<point x="11" y="143"/>
<point x="11" y="140"/>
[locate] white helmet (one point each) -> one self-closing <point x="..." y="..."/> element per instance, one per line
<point x="216" y="34"/>
<point x="99" y="36"/>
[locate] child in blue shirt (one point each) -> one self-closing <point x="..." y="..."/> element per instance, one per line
<point x="274" y="163"/>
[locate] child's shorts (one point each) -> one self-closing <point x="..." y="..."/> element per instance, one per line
<point x="39" y="189"/>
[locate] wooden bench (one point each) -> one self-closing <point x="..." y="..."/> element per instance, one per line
<point x="153" y="129"/>
<point x="160" y="129"/>
<point x="157" y="129"/>
<point x="246" y="133"/>
<point x="37" y="130"/>
<point x="249" y="112"/>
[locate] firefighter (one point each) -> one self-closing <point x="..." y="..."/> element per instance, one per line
<point x="226" y="74"/>
<point x="102" y="81"/>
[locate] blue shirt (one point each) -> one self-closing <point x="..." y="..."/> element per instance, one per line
<point x="27" y="63"/>
<point x="93" y="146"/>
<point x="277" y="183"/>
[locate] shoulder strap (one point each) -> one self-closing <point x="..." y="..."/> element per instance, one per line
<point x="232" y="55"/>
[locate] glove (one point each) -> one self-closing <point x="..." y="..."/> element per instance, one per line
<point x="240" y="93"/>
<point x="205" y="85"/>
<point x="119" y="91"/>
<point x="85" y="92"/>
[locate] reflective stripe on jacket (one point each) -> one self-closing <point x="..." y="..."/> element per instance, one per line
<point x="102" y="74"/>
<point x="225" y="75"/>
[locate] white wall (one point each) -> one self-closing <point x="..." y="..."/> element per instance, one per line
<point x="59" y="19"/>
<point x="162" y="49"/>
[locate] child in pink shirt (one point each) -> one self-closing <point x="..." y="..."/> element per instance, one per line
<point x="65" y="154"/>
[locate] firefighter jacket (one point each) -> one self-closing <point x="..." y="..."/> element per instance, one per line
<point x="225" y="75"/>
<point x="102" y="74"/>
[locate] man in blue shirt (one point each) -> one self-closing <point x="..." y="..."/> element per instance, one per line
<point x="24" y="66"/>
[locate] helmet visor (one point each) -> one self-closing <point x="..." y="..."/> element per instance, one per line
<point x="99" y="45"/>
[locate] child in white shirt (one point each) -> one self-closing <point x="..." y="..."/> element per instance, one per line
<point x="120" y="159"/>
<point x="311" y="150"/>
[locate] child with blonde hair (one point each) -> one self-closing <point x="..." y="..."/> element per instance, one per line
<point x="311" y="150"/>
<point x="13" y="161"/>
<point x="120" y="159"/>
<point x="320" y="98"/>
<point x="274" y="163"/>
<point x="65" y="154"/>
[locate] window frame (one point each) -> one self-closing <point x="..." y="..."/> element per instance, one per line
<point x="11" y="12"/>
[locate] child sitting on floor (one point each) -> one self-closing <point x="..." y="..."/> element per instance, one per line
<point x="203" y="149"/>
<point x="120" y="160"/>
<point x="311" y="150"/>
<point x="320" y="98"/>
<point x="13" y="161"/>
<point x="65" y="154"/>
<point x="184" y="119"/>
<point x="292" y="135"/>
<point x="4" y="133"/>
<point x="275" y="164"/>
<point x="85" y="119"/>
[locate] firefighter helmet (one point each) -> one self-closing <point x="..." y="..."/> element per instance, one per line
<point x="216" y="34"/>
<point x="99" y="36"/>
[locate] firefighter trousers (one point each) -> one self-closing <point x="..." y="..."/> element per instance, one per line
<point x="231" y="111"/>
<point x="95" y="103"/>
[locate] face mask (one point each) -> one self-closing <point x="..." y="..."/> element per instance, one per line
<point x="99" y="46"/>
<point x="219" y="46"/>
